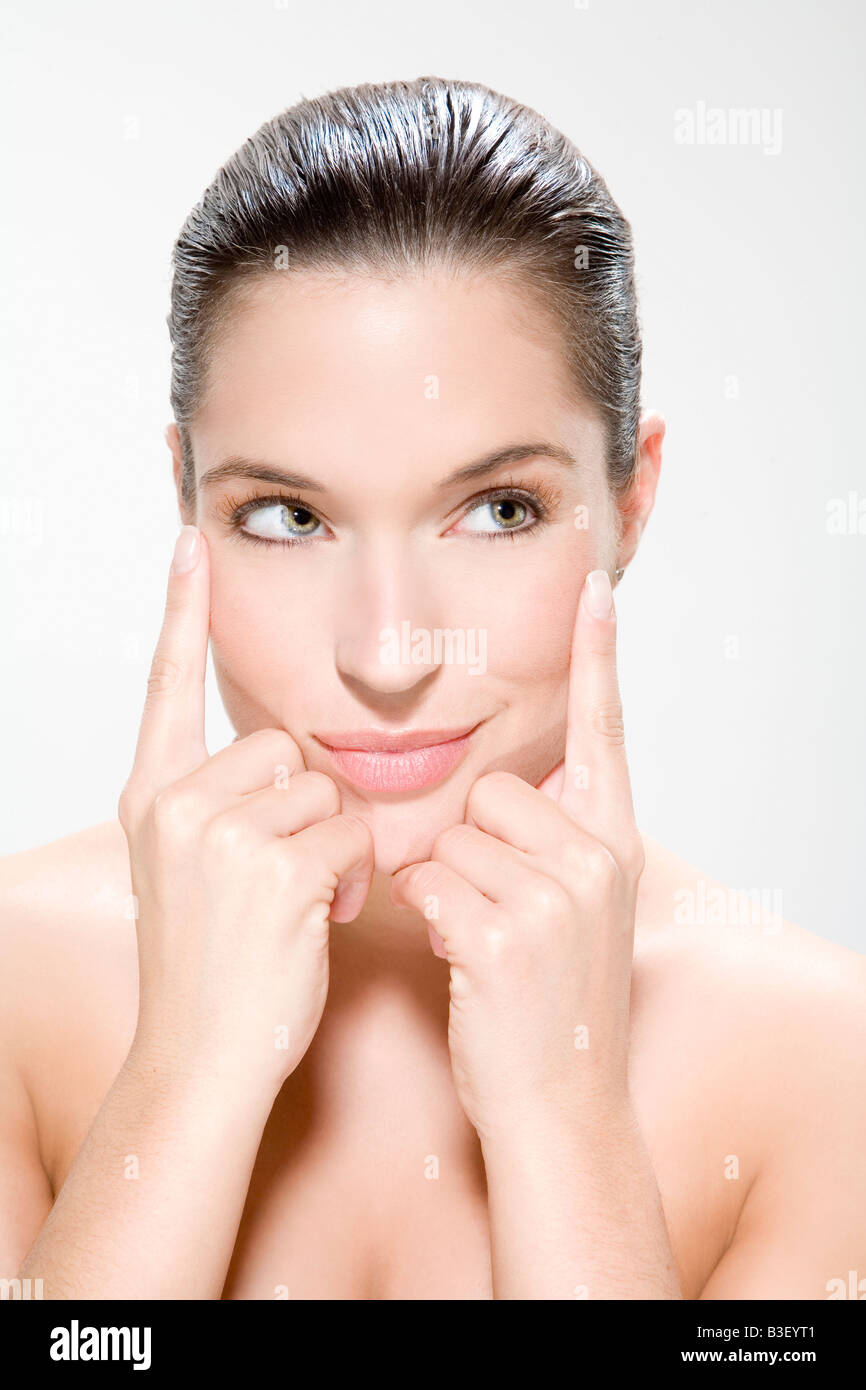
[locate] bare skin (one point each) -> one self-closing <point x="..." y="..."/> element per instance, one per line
<point x="152" y="1146"/>
<point x="745" y="1041"/>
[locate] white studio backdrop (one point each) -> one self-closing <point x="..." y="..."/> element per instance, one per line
<point x="742" y="617"/>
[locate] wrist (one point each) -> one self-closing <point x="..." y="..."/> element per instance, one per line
<point x="546" y="1125"/>
<point x="179" y="1068"/>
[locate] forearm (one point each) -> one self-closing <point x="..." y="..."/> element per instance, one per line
<point x="152" y="1204"/>
<point x="575" y="1211"/>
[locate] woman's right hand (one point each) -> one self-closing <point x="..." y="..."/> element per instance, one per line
<point x="238" y="862"/>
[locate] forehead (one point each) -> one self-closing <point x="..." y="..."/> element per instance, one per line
<point x="426" y="368"/>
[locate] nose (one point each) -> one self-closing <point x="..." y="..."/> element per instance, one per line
<point x="386" y="625"/>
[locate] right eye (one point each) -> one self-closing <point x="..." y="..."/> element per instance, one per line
<point x="275" y="520"/>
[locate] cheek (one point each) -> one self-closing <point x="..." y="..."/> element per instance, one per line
<point x="528" y="616"/>
<point x="261" y="640"/>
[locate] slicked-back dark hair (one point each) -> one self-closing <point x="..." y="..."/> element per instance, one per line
<point x="392" y="176"/>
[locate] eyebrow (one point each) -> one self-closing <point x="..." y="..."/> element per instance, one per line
<point x="239" y="467"/>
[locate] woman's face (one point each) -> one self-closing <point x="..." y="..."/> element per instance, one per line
<point x="384" y="592"/>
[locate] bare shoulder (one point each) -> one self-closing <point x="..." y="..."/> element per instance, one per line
<point x="705" y="942"/>
<point x="769" y="1021"/>
<point x="68" y="986"/>
<point x="67" y="930"/>
<point x="85" y="869"/>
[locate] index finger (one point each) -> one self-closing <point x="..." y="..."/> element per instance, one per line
<point x="171" y="740"/>
<point x="596" y="789"/>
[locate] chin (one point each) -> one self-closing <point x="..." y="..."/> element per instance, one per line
<point x="404" y="831"/>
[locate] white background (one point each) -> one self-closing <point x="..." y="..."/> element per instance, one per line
<point x="750" y="267"/>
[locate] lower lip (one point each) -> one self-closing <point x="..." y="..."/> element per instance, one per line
<point x="399" y="772"/>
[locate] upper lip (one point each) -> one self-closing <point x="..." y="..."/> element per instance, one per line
<point x="385" y="741"/>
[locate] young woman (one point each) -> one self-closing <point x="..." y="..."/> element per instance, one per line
<point x="390" y="998"/>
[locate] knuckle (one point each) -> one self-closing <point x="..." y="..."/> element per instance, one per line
<point x="600" y="870"/>
<point x="634" y="858"/>
<point x="175" y="810"/>
<point x="607" y="721"/>
<point x="492" y="781"/>
<point x="551" y="901"/>
<point x="571" y="857"/>
<point x="164" y="678"/>
<point x="227" y="833"/>
<point x="325" y="789"/>
<point x="496" y="940"/>
<point x="488" y="785"/>
<point x="175" y="603"/>
<point x="279" y="741"/>
<point x="423" y="879"/>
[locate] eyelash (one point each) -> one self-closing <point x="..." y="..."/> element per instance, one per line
<point x="541" y="497"/>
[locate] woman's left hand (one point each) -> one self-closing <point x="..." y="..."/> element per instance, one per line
<point x="532" y="902"/>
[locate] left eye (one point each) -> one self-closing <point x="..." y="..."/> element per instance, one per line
<point x="498" y="514"/>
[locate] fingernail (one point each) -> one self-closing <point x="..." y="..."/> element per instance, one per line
<point x="599" y="595"/>
<point x="436" y="943"/>
<point x="186" y="549"/>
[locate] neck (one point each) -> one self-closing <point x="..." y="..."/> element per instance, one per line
<point x="391" y="941"/>
<point x="383" y="930"/>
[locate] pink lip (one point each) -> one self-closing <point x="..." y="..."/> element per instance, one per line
<point x="396" y="762"/>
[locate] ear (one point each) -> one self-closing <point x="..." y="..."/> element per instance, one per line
<point x="172" y="439"/>
<point x="636" y="505"/>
